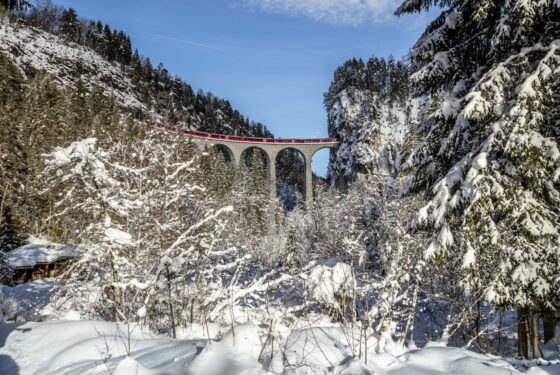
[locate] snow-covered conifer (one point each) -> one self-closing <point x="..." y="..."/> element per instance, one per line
<point x="489" y="154"/>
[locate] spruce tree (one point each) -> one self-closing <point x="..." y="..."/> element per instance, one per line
<point x="79" y="118"/>
<point x="43" y="127"/>
<point x="13" y="5"/>
<point x="107" y="47"/>
<point x="70" y="26"/>
<point x="43" y="124"/>
<point x="489" y="154"/>
<point x="12" y="156"/>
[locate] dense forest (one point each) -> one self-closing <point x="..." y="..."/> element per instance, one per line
<point x="388" y="78"/>
<point x="39" y="114"/>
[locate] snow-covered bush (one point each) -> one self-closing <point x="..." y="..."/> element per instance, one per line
<point x="9" y="308"/>
<point x="138" y="213"/>
<point x="331" y="283"/>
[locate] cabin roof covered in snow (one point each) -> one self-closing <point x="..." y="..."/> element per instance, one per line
<point x="39" y="252"/>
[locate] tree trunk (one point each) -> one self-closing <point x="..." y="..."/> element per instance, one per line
<point x="2" y="202"/>
<point x="527" y="334"/>
<point x="557" y="327"/>
<point x="170" y="302"/>
<point x="535" y="336"/>
<point x="117" y="296"/>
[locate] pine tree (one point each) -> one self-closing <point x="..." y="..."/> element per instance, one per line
<point x="255" y="188"/>
<point x="43" y="123"/>
<point x="290" y="170"/>
<point x="79" y="120"/>
<point x="43" y="127"/>
<point x="126" y="54"/>
<point x="13" y="168"/>
<point x="489" y="155"/>
<point x="13" y="5"/>
<point x="70" y="26"/>
<point x="107" y="46"/>
<point x="296" y="243"/>
<point x="105" y="116"/>
<point x="45" y="15"/>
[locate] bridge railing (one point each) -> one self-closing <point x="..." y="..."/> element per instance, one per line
<point x="196" y="133"/>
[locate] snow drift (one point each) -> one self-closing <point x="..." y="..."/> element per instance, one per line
<point x="94" y="347"/>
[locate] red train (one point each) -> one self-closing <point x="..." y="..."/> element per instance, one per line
<point x="196" y="133"/>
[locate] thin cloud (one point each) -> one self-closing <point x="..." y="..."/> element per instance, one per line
<point x="184" y="41"/>
<point x="342" y="12"/>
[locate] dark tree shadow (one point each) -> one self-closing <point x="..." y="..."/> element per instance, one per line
<point x="5" y="330"/>
<point x="7" y="364"/>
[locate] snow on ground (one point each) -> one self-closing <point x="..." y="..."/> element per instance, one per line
<point x="311" y="345"/>
<point x="299" y="346"/>
<point x="92" y="347"/>
<point x="32" y="298"/>
<point x="39" y="251"/>
<point x="442" y="360"/>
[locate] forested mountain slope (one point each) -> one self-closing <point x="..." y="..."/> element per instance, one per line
<point x="189" y="246"/>
<point x="91" y="58"/>
<point x="48" y="39"/>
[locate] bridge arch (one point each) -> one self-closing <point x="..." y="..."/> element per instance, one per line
<point x="319" y="148"/>
<point x="253" y="158"/>
<point x="221" y="147"/>
<point x="251" y="154"/>
<point x="290" y="175"/>
<point x="227" y="152"/>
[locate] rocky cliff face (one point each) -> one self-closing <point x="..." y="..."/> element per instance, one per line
<point x="370" y="112"/>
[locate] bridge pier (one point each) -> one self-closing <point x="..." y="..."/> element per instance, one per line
<point x="272" y="173"/>
<point x="308" y="179"/>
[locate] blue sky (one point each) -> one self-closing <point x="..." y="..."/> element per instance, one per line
<point x="272" y="59"/>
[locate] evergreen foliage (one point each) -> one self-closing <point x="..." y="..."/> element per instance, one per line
<point x="173" y="236"/>
<point x="13" y="5"/>
<point x="36" y="115"/>
<point x="387" y="78"/>
<point x="489" y="153"/>
<point x="12" y="170"/>
<point x="69" y="25"/>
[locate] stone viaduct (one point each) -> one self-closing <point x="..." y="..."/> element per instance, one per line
<point x="235" y="146"/>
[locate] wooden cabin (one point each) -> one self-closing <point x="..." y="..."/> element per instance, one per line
<point x="39" y="260"/>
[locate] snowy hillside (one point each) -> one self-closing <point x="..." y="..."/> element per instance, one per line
<point x="35" y="51"/>
<point x="146" y="256"/>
